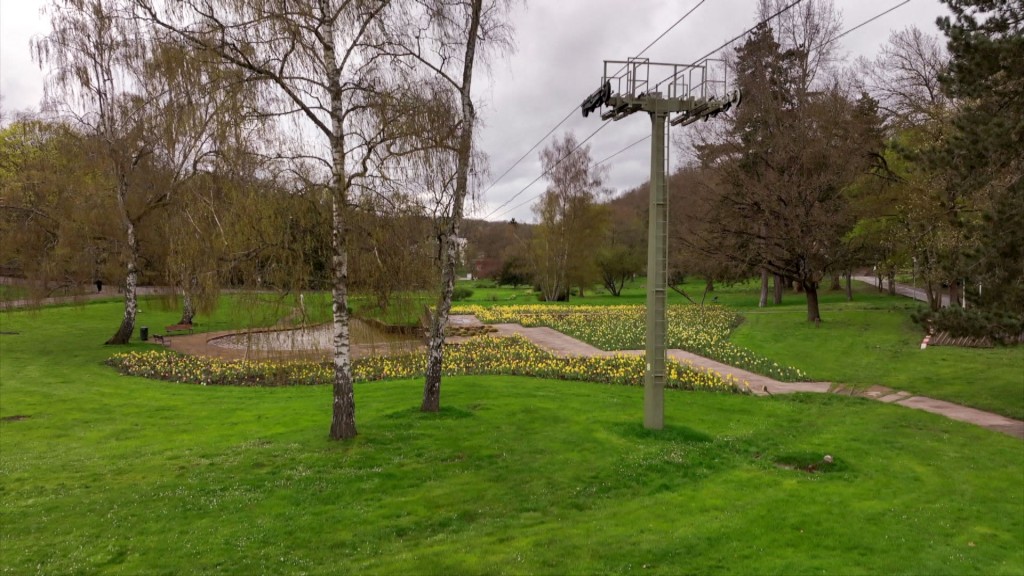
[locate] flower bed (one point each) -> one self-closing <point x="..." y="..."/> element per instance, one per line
<point x="702" y="330"/>
<point x="485" y="355"/>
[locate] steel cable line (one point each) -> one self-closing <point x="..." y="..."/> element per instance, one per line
<point x="868" y="21"/>
<point x="780" y="12"/>
<point x="534" y="197"/>
<point x="545" y="173"/>
<point x="607" y="158"/>
<point x="645" y="138"/>
<point x="573" y="111"/>
<point x="735" y="38"/>
<point x="844" y="33"/>
<point x="517" y="194"/>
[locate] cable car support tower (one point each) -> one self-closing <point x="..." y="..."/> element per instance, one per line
<point x="691" y="93"/>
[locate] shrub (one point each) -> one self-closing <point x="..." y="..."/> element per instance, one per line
<point x="461" y="293"/>
<point x="972" y="323"/>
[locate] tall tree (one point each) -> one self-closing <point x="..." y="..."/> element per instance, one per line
<point x="795" y="145"/>
<point x="128" y="88"/>
<point x="571" y="220"/>
<point x="986" y="47"/>
<point x="449" y="38"/>
<point x="622" y="251"/>
<point x="901" y="221"/>
<point x="207" y="140"/>
<point x="94" y="54"/>
<point x="322" y="64"/>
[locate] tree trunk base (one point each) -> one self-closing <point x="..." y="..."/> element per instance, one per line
<point x="431" y="402"/>
<point x="122" y="336"/>
<point x="813" y="310"/>
<point x="343" y="422"/>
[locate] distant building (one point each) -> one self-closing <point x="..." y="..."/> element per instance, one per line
<point x="484" y="267"/>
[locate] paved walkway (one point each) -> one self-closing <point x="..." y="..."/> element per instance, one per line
<point x="87" y="295"/>
<point x="902" y="289"/>
<point x="563" y="345"/>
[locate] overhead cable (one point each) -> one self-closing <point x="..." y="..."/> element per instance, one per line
<point x="645" y="138"/>
<point x="573" y="111"/>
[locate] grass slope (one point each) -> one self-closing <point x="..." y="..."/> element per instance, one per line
<point x="872" y="340"/>
<point x="868" y="341"/>
<point x="121" y="475"/>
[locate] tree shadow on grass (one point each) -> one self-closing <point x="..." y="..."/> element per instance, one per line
<point x="670" y="433"/>
<point x="446" y="413"/>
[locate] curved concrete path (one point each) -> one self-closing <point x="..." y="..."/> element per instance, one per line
<point x="86" y="295"/>
<point x="902" y="289"/>
<point x="563" y="345"/>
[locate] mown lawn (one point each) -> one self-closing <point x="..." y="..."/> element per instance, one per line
<point x="109" y="474"/>
<point x="865" y="347"/>
<point x="872" y="340"/>
<point x="868" y="341"/>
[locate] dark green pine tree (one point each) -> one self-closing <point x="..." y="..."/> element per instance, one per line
<point x="986" y="150"/>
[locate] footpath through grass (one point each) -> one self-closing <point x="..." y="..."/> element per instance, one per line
<point x="869" y="341"/>
<point x="863" y="347"/>
<point x="872" y="340"/>
<point x="703" y="330"/>
<point x="112" y="474"/>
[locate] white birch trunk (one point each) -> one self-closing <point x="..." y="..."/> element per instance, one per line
<point x="343" y="412"/>
<point x="435" y="352"/>
<point x="131" y="304"/>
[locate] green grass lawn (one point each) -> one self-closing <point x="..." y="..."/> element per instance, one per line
<point x="872" y="340"/>
<point x="403" y="309"/>
<point x="868" y="341"/>
<point x="864" y="347"/>
<point x="486" y="294"/>
<point x="112" y="474"/>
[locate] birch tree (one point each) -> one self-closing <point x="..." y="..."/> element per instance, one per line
<point x="111" y="75"/>
<point x="455" y="33"/>
<point x="450" y="27"/>
<point x="320" y="65"/>
<point x="94" y="57"/>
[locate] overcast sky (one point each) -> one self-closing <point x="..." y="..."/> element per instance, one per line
<point x="561" y="47"/>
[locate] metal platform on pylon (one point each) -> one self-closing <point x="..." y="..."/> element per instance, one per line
<point x="690" y="92"/>
<point x="637" y="77"/>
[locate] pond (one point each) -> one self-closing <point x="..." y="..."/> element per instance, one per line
<point x="366" y="339"/>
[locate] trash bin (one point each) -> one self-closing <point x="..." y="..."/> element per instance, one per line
<point x="144" y="333"/>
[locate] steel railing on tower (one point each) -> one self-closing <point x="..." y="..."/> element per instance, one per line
<point x="692" y="93"/>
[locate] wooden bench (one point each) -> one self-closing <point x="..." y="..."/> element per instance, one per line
<point x="162" y="339"/>
<point x="178" y="328"/>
